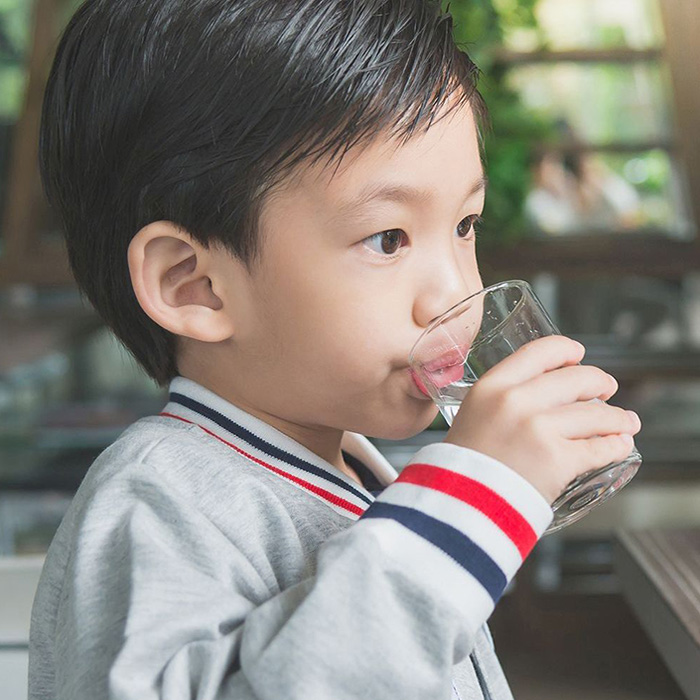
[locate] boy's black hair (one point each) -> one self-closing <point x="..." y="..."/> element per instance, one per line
<point x="190" y="111"/>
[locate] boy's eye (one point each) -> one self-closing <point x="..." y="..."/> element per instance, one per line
<point x="386" y="242"/>
<point x="389" y="242"/>
<point x="467" y="225"/>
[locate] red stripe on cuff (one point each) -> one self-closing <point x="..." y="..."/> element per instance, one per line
<point x="481" y="497"/>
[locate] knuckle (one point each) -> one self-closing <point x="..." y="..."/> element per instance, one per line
<point x="602" y="376"/>
<point x="615" y="418"/>
<point x="619" y="420"/>
<point x="538" y="427"/>
<point x="627" y="421"/>
<point x="531" y="348"/>
<point x="563" y="466"/>
<point x="604" y="382"/>
<point x="481" y="391"/>
<point x="635" y="422"/>
<point x="509" y="402"/>
<point x="572" y="347"/>
<point x="626" y="445"/>
<point x="604" y="450"/>
<point x="561" y="344"/>
<point x="599" y="450"/>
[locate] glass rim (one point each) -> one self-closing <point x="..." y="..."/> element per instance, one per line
<point x="447" y="315"/>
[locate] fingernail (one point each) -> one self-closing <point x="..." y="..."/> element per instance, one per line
<point x="628" y="439"/>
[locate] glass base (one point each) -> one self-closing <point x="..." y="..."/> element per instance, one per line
<point x="592" y="489"/>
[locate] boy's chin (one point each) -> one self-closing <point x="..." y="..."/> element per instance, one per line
<point x="408" y="428"/>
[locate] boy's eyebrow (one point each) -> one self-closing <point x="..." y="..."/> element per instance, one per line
<point x="404" y="194"/>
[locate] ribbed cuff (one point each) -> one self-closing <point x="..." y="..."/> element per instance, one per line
<point x="478" y="512"/>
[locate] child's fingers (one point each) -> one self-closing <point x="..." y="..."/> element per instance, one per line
<point x="598" y="452"/>
<point x="567" y="385"/>
<point x="535" y="358"/>
<point x="591" y="419"/>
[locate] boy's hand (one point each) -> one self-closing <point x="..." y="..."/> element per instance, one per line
<point x="533" y="412"/>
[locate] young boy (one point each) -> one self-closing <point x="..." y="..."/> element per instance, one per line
<point x="268" y="201"/>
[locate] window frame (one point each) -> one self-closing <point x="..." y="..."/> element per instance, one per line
<point x="641" y="252"/>
<point x="28" y="256"/>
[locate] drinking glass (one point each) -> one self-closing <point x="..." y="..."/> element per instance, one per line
<point x="477" y="333"/>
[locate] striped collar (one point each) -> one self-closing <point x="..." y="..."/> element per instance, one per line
<point x="268" y="448"/>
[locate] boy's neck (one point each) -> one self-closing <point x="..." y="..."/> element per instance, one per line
<point x="323" y="442"/>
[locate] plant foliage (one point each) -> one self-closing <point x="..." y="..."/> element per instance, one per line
<point x="479" y="28"/>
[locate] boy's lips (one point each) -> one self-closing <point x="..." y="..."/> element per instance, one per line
<point x="444" y="376"/>
<point x="418" y="383"/>
<point x="445" y="370"/>
<point x="439" y="378"/>
<point x="450" y="358"/>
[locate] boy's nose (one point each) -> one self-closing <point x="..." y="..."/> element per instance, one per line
<point x="444" y="288"/>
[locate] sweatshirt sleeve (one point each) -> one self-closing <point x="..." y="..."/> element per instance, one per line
<point x="390" y="605"/>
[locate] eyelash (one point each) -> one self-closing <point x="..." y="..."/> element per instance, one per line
<point x="473" y="219"/>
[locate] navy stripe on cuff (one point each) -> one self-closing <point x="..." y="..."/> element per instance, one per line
<point x="450" y="540"/>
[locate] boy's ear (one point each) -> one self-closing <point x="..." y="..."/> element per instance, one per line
<point x="171" y="276"/>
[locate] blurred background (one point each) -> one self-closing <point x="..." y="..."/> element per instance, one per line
<point x="594" y="197"/>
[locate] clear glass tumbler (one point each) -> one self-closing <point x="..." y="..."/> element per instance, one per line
<point x="476" y="334"/>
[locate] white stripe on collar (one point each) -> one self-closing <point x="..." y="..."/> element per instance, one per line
<point x="271" y="449"/>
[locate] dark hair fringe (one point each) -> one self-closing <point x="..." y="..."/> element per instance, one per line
<point x="192" y="111"/>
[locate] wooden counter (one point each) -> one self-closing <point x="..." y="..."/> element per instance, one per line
<point x="660" y="575"/>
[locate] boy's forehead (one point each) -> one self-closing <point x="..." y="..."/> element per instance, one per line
<point x="366" y="168"/>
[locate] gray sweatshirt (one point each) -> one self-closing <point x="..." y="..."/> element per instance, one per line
<point x="207" y="555"/>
